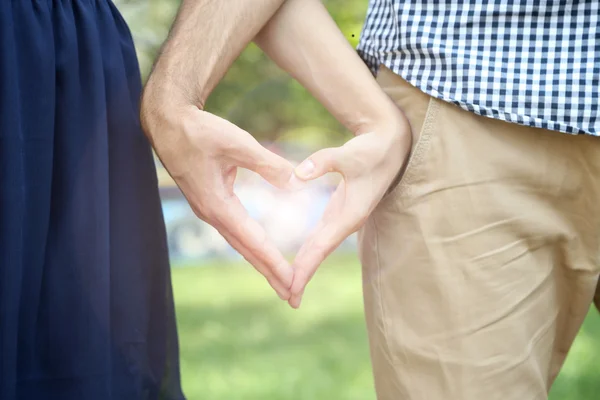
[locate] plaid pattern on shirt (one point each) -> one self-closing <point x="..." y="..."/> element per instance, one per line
<point x="531" y="62"/>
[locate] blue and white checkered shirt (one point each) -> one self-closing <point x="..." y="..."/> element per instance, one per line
<point x="531" y="62"/>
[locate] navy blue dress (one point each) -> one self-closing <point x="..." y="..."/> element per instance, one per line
<point x="86" y="306"/>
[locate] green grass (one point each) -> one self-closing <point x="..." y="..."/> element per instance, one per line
<point x="239" y="341"/>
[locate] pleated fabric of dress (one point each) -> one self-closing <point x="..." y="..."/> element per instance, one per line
<point x="86" y="305"/>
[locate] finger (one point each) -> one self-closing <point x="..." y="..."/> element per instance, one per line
<point x="335" y="205"/>
<point x="282" y="291"/>
<point x="320" y="163"/>
<point x="302" y="273"/>
<point x="310" y="258"/>
<point x="323" y="242"/>
<point x="307" y="262"/>
<point x="234" y="220"/>
<point x="250" y="154"/>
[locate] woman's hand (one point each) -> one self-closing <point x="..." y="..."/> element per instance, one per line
<point x="368" y="164"/>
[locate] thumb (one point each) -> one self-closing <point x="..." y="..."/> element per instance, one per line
<point x="319" y="164"/>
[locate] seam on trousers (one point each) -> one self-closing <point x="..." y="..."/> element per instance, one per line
<point x="421" y="148"/>
<point x="416" y="158"/>
<point x="389" y="357"/>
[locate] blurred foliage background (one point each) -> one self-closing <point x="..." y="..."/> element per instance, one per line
<point x="255" y="94"/>
<point x="237" y="340"/>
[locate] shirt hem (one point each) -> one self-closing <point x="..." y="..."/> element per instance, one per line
<point x="374" y="63"/>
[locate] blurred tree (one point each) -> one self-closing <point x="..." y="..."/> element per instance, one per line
<point x="255" y="94"/>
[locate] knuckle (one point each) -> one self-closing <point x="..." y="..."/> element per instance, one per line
<point x="270" y="169"/>
<point x="205" y="209"/>
<point x="215" y="216"/>
<point x="201" y="213"/>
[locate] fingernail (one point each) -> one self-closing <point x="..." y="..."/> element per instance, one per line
<point x="305" y="170"/>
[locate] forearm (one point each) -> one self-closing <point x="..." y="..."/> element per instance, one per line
<point x="303" y="39"/>
<point x="207" y="36"/>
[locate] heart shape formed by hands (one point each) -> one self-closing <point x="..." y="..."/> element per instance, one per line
<point x="202" y="153"/>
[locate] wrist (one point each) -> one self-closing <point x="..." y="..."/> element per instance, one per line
<point x="387" y="120"/>
<point x="391" y="133"/>
<point x="163" y="94"/>
<point x="172" y="85"/>
<point x="162" y="109"/>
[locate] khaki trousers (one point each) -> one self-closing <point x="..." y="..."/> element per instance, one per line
<point x="481" y="264"/>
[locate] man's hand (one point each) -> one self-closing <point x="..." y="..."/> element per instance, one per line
<point x="304" y="40"/>
<point x="202" y="153"/>
<point x="368" y="164"/>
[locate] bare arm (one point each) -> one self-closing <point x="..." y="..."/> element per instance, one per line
<point x="202" y="151"/>
<point x="206" y="37"/>
<point x="303" y="39"/>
